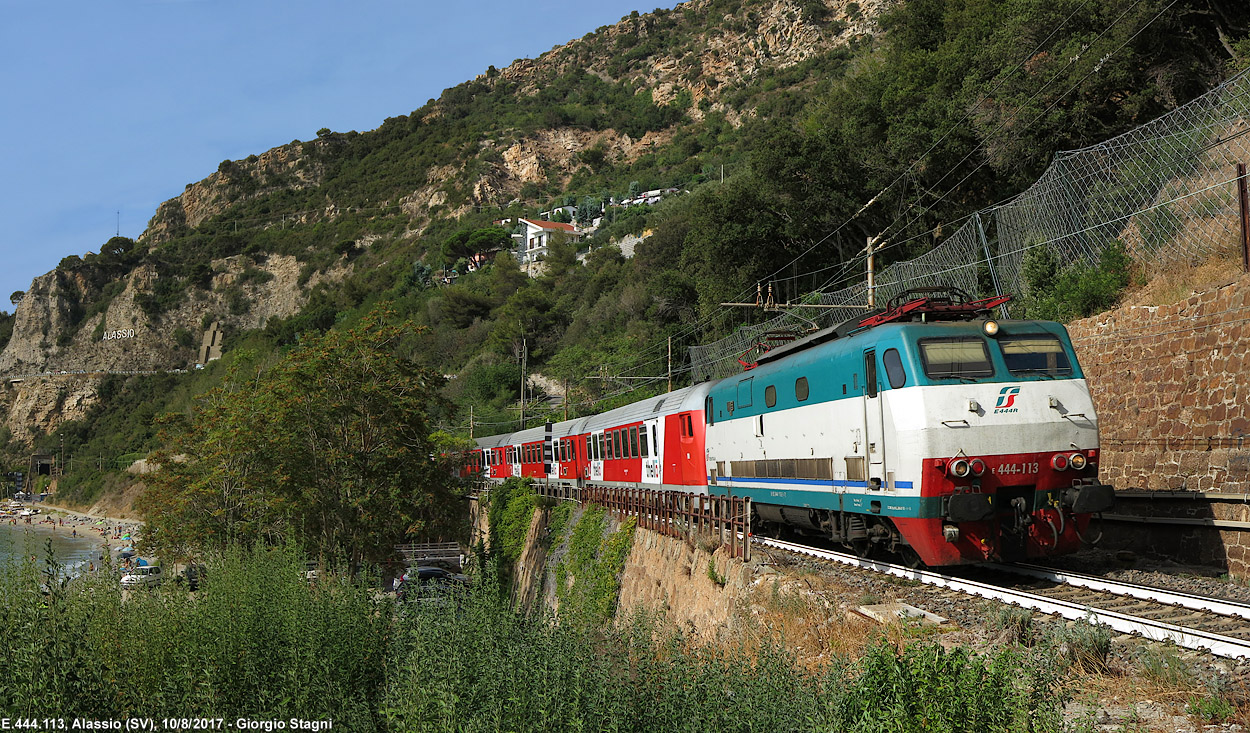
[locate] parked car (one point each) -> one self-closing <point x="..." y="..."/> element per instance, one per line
<point x="143" y="576"/>
<point x="428" y="581"/>
<point x="193" y="575"/>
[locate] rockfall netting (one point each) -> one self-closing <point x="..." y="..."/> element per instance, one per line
<point x="1166" y="191"/>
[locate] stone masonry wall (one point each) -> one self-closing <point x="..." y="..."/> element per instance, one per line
<point x="1171" y="385"/>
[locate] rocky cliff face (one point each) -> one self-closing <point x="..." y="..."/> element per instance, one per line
<point x="122" y="337"/>
<point x="72" y="330"/>
<point x="53" y="366"/>
<point x="774" y="34"/>
<point x="291" y="166"/>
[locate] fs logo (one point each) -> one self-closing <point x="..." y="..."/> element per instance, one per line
<point x="1006" y="400"/>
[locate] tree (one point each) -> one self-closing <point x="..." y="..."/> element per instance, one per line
<point x="588" y="209"/>
<point x="16" y="297"/>
<point x="331" y="447"/>
<point x="468" y="242"/>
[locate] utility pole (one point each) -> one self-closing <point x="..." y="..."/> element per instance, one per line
<point x="1245" y="217"/>
<point x="524" y="354"/>
<point x="670" y="363"/>
<point x="872" y="283"/>
<point x="470" y="422"/>
<point x="566" y="400"/>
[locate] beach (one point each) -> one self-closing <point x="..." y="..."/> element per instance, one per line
<point x="78" y="538"/>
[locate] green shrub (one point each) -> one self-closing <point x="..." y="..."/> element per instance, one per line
<point x="254" y="641"/>
<point x="588" y="577"/>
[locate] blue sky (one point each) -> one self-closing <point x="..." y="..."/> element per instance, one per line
<point x="113" y="107"/>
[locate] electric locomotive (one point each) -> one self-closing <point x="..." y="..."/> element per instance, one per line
<point x="928" y="429"/>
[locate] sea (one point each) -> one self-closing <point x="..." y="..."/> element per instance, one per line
<point x="23" y="540"/>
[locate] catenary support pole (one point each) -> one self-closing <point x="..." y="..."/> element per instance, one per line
<point x="1245" y="217"/>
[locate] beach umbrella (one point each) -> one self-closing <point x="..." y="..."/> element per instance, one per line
<point x="141" y="561"/>
<point x="125" y="537"/>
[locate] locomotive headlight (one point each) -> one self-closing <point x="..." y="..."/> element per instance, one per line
<point x="1059" y="462"/>
<point x="990" y="328"/>
<point x="960" y="468"/>
<point x="977" y="465"/>
<point x="1077" y="461"/>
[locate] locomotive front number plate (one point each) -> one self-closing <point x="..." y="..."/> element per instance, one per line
<point x="1015" y="468"/>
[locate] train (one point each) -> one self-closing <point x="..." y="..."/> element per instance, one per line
<point x="928" y="430"/>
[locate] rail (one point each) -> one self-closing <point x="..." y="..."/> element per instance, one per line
<point x="1217" y="644"/>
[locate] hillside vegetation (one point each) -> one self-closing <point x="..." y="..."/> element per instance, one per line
<point x="808" y="109"/>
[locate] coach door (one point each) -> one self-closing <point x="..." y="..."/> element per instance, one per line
<point x="874" y="435"/>
<point x="651" y="437"/>
<point x="596" y="456"/>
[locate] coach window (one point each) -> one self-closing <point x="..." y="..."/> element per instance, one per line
<point x="633" y="442"/>
<point x="707" y="411"/>
<point x="800" y="389"/>
<point x="770" y="396"/>
<point x="642" y="442"/>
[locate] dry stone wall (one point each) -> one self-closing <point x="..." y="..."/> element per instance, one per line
<point x="1171" y="385"/>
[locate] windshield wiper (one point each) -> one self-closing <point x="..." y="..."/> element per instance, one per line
<point x="961" y="377"/>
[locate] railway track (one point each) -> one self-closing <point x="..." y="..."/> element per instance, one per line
<point x="1194" y="622"/>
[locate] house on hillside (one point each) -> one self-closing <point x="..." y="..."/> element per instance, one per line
<point x="533" y="242"/>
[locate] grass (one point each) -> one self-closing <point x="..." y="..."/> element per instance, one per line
<point x="256" y="641"/>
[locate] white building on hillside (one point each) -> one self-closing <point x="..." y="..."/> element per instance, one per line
<point x="537" y="236"/>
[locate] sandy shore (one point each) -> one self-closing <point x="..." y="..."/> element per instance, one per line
<point x="107" y="530"/>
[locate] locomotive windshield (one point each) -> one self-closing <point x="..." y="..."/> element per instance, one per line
<point x="1039" y="353"/>
<point x="955" y="358"/>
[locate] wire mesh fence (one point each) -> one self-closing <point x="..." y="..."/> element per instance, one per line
<point x="1166" y="191"/>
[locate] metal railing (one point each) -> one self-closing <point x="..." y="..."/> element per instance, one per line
<point x="681" y="514"/>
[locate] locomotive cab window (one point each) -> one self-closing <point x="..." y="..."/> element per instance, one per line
<point x="955" y="358"/>
<point x="894" y="368"/>
<point x="1035" y="353"/>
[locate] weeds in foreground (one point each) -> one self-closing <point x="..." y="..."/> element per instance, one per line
<point x="257" y="641"/>
<point x="1014" y="622"/>
<point x="1161" y="663"/>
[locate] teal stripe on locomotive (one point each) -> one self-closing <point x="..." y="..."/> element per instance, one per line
<point x="828" y="483"/>
<point x="835" y="370"/>
<point x="890" y="506"/>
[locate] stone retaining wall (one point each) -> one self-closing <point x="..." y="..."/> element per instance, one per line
<point x="1171" y="385"/>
